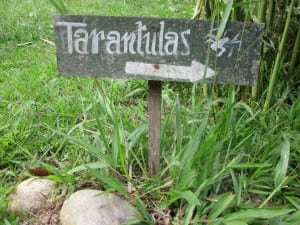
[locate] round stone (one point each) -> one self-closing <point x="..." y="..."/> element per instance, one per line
<point x="93" y="207"/>
<point x="31" y="195"/>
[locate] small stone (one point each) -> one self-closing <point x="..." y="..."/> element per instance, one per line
<point x="31" y="195"/>
<point x="93" y="207"/>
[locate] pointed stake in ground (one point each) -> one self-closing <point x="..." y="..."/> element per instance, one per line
<point x="154" y="111"/>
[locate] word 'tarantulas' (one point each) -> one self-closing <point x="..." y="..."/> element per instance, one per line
<point x="140" y="41"/>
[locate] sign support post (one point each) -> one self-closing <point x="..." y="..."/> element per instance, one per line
<point x="154" y="112"/>
<point x="157" y="50"/>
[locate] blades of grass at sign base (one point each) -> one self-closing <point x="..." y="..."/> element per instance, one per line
<point x="217" y="208"/>
<point x="165" y="138"/>
<point x="178" y="126"/>
<point x="204" y="186"/>
<point x="120" y="151"/>
<point x="143" y="216"/>
<point x="85" y="145"/>
<point x="116" y="142"/>
<point x="98" y="111"/>
<point x="193" y="145"/>
<point x="107" y="178"/>
<point x="103" y="107"/>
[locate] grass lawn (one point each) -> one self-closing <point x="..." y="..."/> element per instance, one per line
<point x="224" y="161"/>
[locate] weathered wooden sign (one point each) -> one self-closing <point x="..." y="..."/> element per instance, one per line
<point x="157" y="49"/>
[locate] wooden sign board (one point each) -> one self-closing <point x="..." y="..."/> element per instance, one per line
<point x="157" y="49"/>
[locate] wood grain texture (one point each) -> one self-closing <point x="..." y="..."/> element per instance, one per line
<point x="154" y="110"/>
<point x="102" y="46"/>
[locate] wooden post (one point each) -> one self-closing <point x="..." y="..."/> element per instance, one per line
<point x="154" y="111"/>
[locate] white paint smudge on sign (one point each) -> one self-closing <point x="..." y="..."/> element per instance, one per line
<point x="194" y="73"/>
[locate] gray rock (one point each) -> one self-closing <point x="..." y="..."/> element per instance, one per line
<point x="31" y="195"/>
<point x="93" y="207"/>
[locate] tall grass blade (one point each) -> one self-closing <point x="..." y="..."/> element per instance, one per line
<point x="136" y="135"/>
<point x="282" y="166"/>
<point x="84" y="144"/>
<point x="178" y="124"/>
<point x="94" y="165"/>
<point x="295" y="201"/>
<point x="100" y="125"/>
<point x="294" y="218"/>
<point x="295" y="52"/>
<point x="224" y="20"/>
<point x="221" y="205"/>
<point x="276" y="189"/>
<point x="144" y="212"/>
<point x="270" y="15"/>
<point x="116" y="143"/>
<point x="256" y="214"/>
<point x="190" y="197"/>
<point x="235" y="222"/>
<point x="262" y="11"/>
<point x="194" y="143"/>
<point x="109" y="180"/>
<point x="278" y="59"/>
<point x="237" y="187"/>
<point x="204" y="185"/>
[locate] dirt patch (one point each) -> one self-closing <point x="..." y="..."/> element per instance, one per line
<point x="48" y="215"/>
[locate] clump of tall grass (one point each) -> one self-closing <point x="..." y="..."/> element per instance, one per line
<point x="279" y="64"/>
<point x="223" y="164"/>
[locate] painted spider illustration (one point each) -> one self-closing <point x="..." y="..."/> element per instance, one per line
<point x="220" y="46"/>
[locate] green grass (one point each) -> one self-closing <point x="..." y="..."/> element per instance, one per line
<point x="223" y="160"/>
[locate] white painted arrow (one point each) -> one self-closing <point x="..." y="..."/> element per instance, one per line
<point x="193" y="73"/>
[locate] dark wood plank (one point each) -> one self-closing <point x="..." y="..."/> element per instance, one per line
<point x="157" y="49"/>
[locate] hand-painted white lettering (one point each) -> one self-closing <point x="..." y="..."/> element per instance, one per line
<point x="69" y="32"/>
<point x="172" y="40"/>
<point x="126" y="38"/>
<point x="161" y="38"/>
<point x="147" y="45"/>
<point x="140" y="41"/>
<point x="140" y="29"/>
<point x="95" y="40"/>
<point x="147" y="37"/>
<point x="184" y="42"/>
<point x="81" y="41"/>
<point x="113" y="43"/>
<point x="153" y="47"/>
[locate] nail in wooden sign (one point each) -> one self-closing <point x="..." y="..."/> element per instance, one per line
<point x="157" y="49"/>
